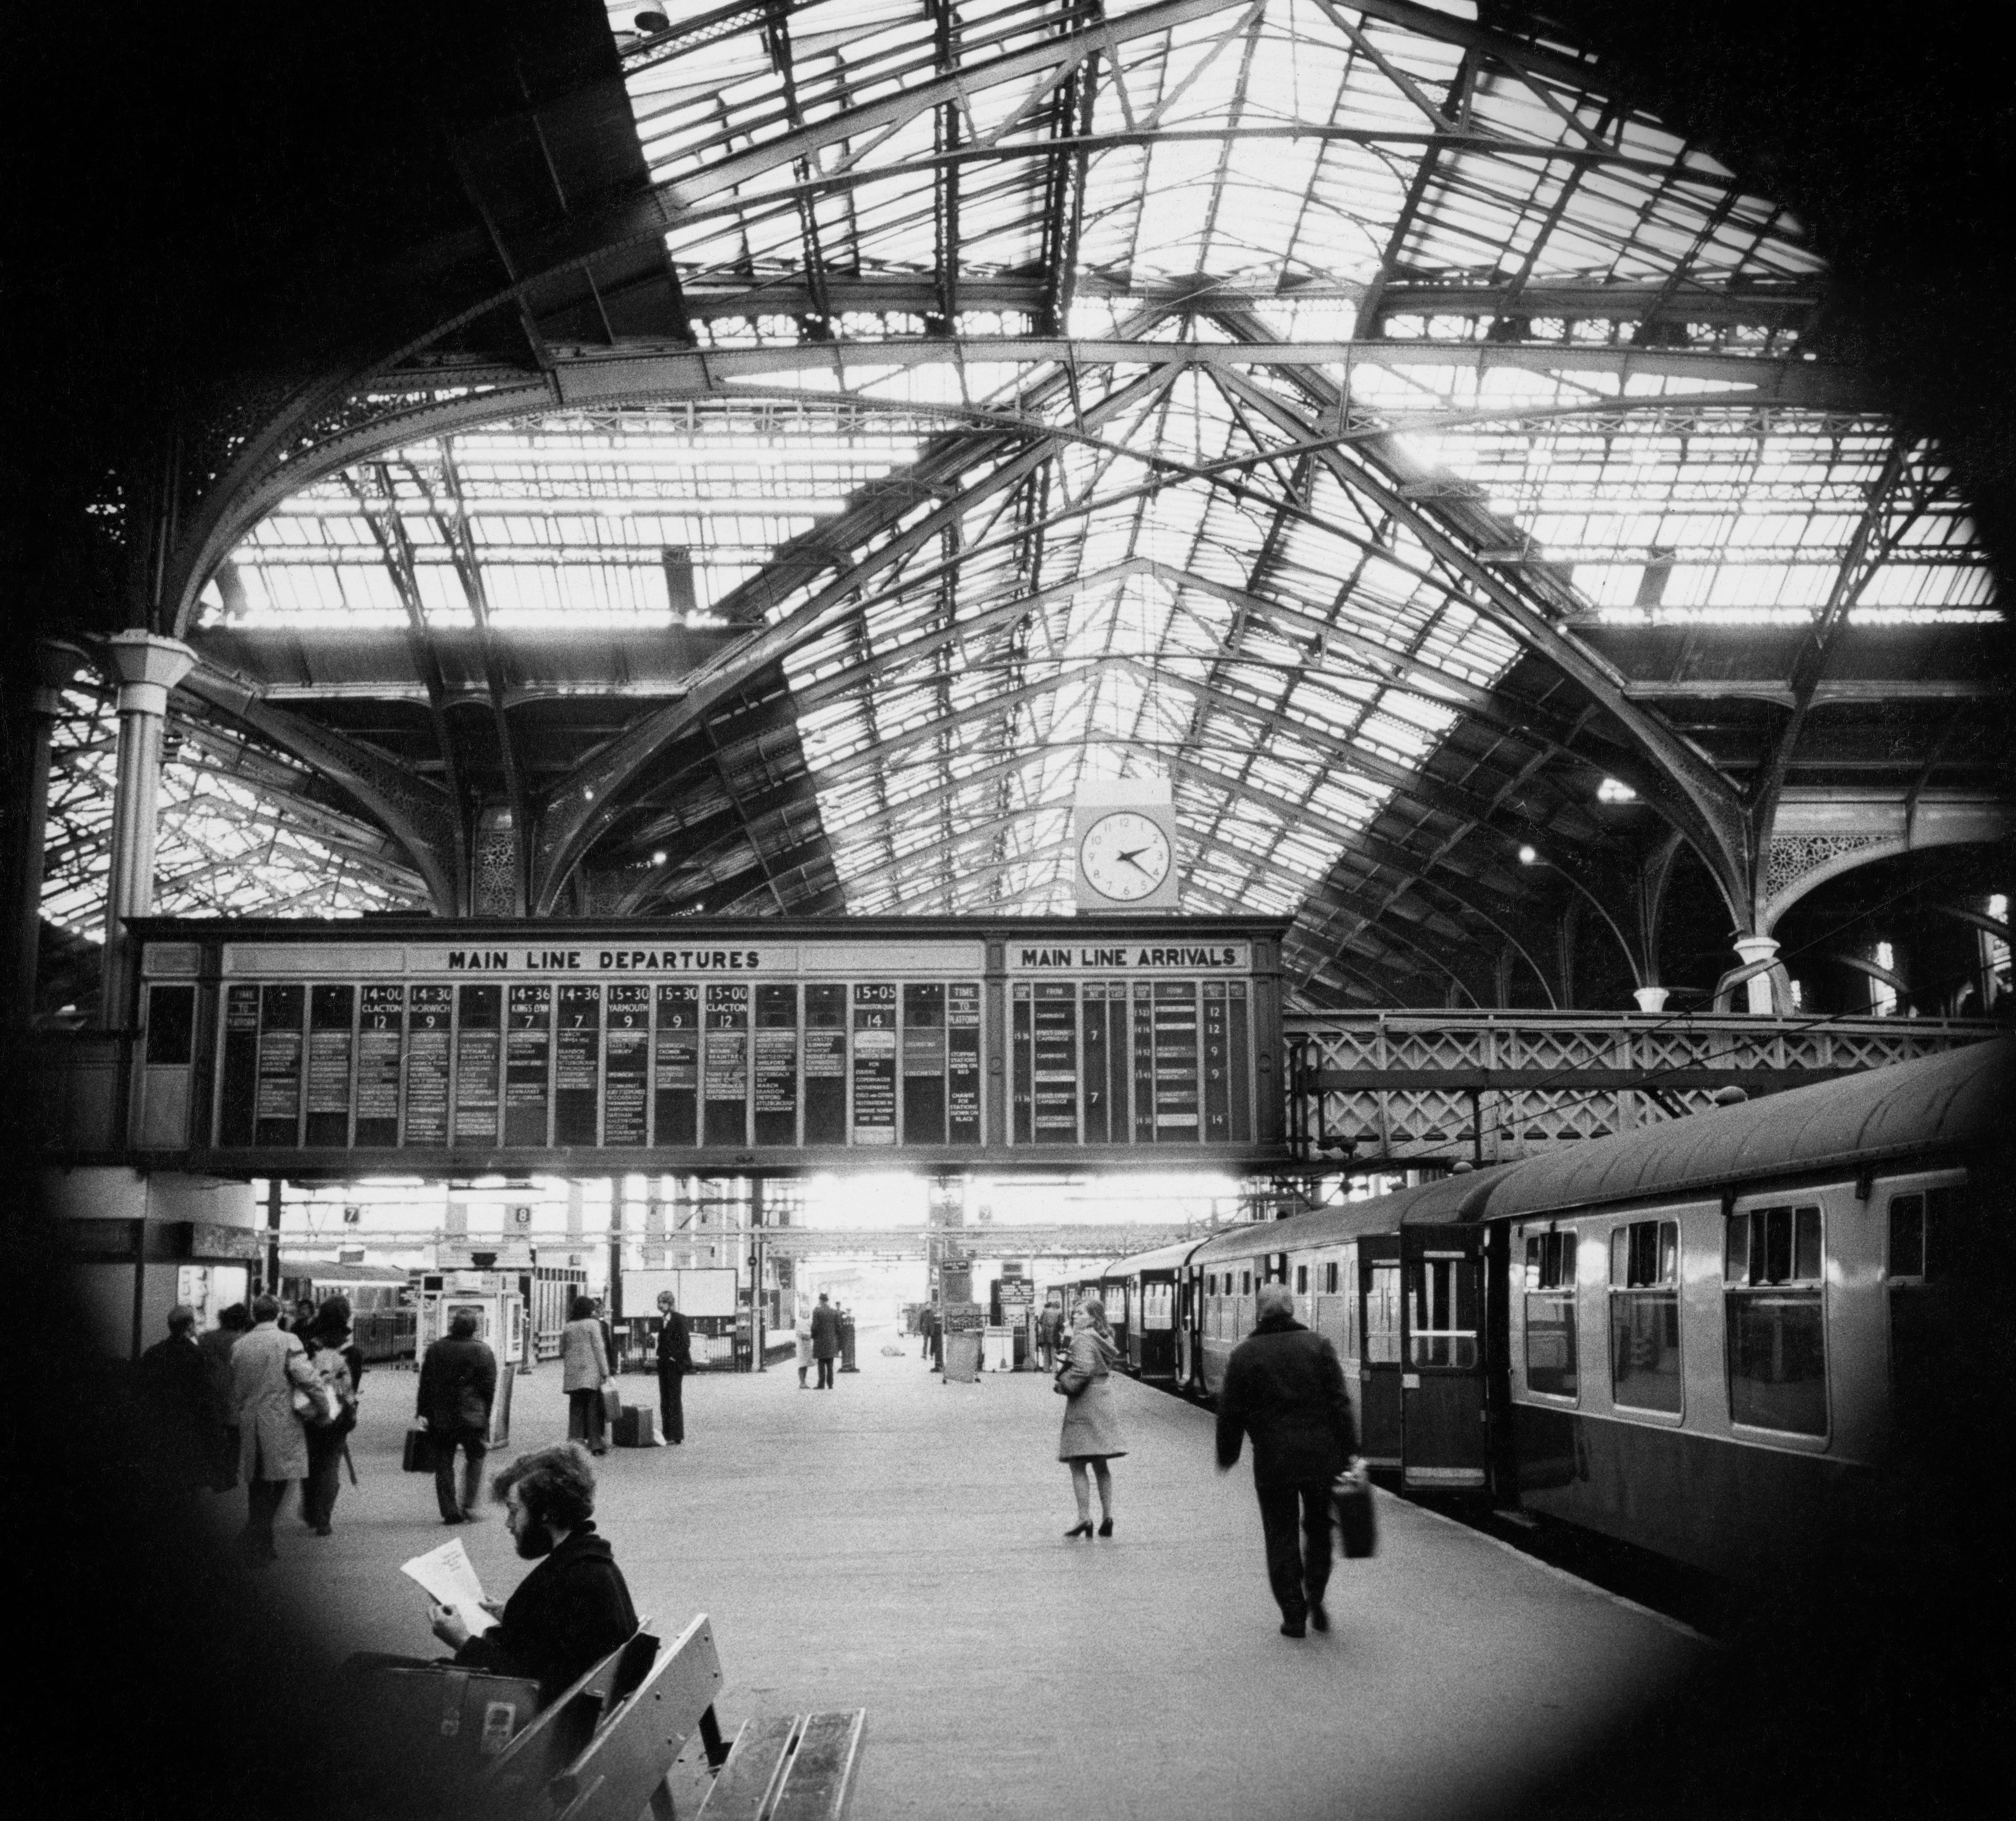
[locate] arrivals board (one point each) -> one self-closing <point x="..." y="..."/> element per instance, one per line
<point x="411" y="1043"/>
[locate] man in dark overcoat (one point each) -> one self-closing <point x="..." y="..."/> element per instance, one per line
<point x="825" y="1340"/>
<point x="173" y="1384"/>
<point x="674" y="1361"/>
<point x="1284" y="1387"/>
<point x="458" y="1384"/>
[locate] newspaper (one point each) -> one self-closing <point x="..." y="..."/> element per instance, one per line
<point x="448" y="1577"/>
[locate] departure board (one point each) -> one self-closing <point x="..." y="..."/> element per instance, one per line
<point x="937" y="1043"/>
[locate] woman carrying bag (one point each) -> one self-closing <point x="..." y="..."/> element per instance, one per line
<point x="584" y="1371"/>
<point x="1090" y="1434"/>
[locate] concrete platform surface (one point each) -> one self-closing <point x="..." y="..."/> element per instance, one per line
<point x="896" y="1544"/>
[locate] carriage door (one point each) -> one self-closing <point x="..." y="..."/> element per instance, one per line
<point x="1444" y="1438"/>
<point x="1379" y="1350"/>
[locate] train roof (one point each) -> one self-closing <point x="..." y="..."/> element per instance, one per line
<point x="1161" y="1258"/>
<point x="1445" y="1202"/>
<point x="1958" y="1098"/>
<point x="329" y="1271"/>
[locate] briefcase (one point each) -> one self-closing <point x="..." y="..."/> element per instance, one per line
<point x="419" y="1455"/>
<point x="1351" y="1494"/>
<point x="436" y="1724"/>
<point x="636" y="1426"/>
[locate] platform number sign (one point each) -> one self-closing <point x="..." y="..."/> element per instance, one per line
<point x="353" y="1216"/>
<point x="521" y="1216"/>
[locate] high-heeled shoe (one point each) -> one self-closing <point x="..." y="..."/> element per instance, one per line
<point x="1080" y="1530"/>
<point x="1106" y="1526"/>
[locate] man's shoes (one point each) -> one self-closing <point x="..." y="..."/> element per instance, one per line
<point x="1294" y="1629"/>
<point x="1317" y="1617"/>
<point x="323" y="1530"/>
<point x="457" y="1519"/>
<point x="470" y="1515"/>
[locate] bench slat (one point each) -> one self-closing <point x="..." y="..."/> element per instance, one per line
<point x="626" y="1761"/>
<point x="543" y="1747"/>
<point x="747" y="1784"/>
<point x="821" y="1769"/>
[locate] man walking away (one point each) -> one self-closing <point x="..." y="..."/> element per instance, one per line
<point x="674" y="1361"/>
<point x="825" y="1340"/>
<point x="1049" y="1325"/>
<point x="267" y="1365"/>
<point x="1284" y="1387"/>
<point x="174" y="1387"/>
<point x="458" y="1382"/>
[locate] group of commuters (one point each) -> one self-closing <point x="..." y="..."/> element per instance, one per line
<point x="254" y="1401"/>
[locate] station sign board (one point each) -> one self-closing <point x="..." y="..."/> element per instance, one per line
<point x="300" y="1049"/>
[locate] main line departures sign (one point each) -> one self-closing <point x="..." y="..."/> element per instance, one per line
<point x="300" y="1049"/>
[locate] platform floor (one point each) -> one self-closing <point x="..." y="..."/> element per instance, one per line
<point x="897" y="1544"/>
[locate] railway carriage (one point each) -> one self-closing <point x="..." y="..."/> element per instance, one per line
<point x="1717" y="1330"/>
<point x="1150" y="1282"/>
<point x="1705" y="1339"/>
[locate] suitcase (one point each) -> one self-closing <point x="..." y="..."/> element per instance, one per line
<point x="636" y="1427"/>
<point x="419" y="1455"/>
<point x="432" y="1727"/>
<point x="1351" y="1495"/>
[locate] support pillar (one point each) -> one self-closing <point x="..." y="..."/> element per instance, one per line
<point x="1752" y="950"/>
<point x="145" y="666"/>
<point x="56" y="667"/>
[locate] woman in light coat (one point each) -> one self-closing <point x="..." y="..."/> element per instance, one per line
<point x="1091" y="1435"/>
<point x="584" y="1370"/>
<point x="266" y="1365"/>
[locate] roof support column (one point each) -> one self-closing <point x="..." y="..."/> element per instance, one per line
<point x="145" y="666"/>
<point x="55" y="666"/>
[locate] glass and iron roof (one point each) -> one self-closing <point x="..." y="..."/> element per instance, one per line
<point x="1248" y="395"/>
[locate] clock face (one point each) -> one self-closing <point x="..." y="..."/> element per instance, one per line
<point x="1124" y="856"/>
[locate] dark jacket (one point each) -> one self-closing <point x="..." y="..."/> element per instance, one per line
<point x="173" y="1383"/>
<point x="825" y="1332"/>
<point x="571" y="1611"/>
<point x="675" y="1343"/>
<point x="458" y="1380"/>
<point x="1284" y="1387"/>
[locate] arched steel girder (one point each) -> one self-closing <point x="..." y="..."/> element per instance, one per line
<point x="630" y="375"/>
<point x="1692" y="792"/>
<point x="426" y="300"/>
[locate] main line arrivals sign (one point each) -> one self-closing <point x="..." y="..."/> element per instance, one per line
<point x="286" y="1048"/>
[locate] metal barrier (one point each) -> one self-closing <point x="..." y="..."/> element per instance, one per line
<point x="1488" y="1087"/>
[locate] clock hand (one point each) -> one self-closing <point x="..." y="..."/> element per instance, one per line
<point x="1129" y="858"/>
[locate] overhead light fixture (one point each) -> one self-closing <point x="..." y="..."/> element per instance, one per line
<point x="1528" y="856"/>
<point x="658" y="858"/>
<point x="648" y="22"/>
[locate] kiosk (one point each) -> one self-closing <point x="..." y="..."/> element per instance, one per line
<point x="493" y="1298"/>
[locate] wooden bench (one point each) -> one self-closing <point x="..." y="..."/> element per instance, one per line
<point x="604" y="1750"/>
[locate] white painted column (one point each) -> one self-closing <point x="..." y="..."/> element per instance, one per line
<point x="55" y="665"/>
<point x="145" y="666"/>
<point x="1750" y="949"/>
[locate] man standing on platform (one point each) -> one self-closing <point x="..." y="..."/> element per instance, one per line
<point x="458" y="1384"/>
<point x="215" y="1348"/>
<point x="825" y="1340"/>
<point x="1050" y="1325"/>
<point x="674" y="1361"/>
<point x="1284" y="1387"/>
<point x="268" y="1366"/>
<point x="174" y="1386"/>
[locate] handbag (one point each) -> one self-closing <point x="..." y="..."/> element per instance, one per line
<point x="612" y="1402"/>
<point x="420" y="1453"/>
<point x="316" y="1405"/>
<point x="1351" y="1497"/>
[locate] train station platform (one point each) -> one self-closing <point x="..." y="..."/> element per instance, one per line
<point x="897" y="1544"/>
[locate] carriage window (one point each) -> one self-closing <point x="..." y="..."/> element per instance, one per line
<point x="1211" y="1283"/>
<point x="1775" y="1325"/>
<point x="1330" y="1278"/>
<point x="1550" y="1313"/>
<point x="1645" y="1314"/>
<point x="1382" y="1314"/>
<point x="1301" y="1280"/>
<point x="1907" y="1235"/>
<point x="1442" y="1328"/>
<point x="1246" y="1283"/>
